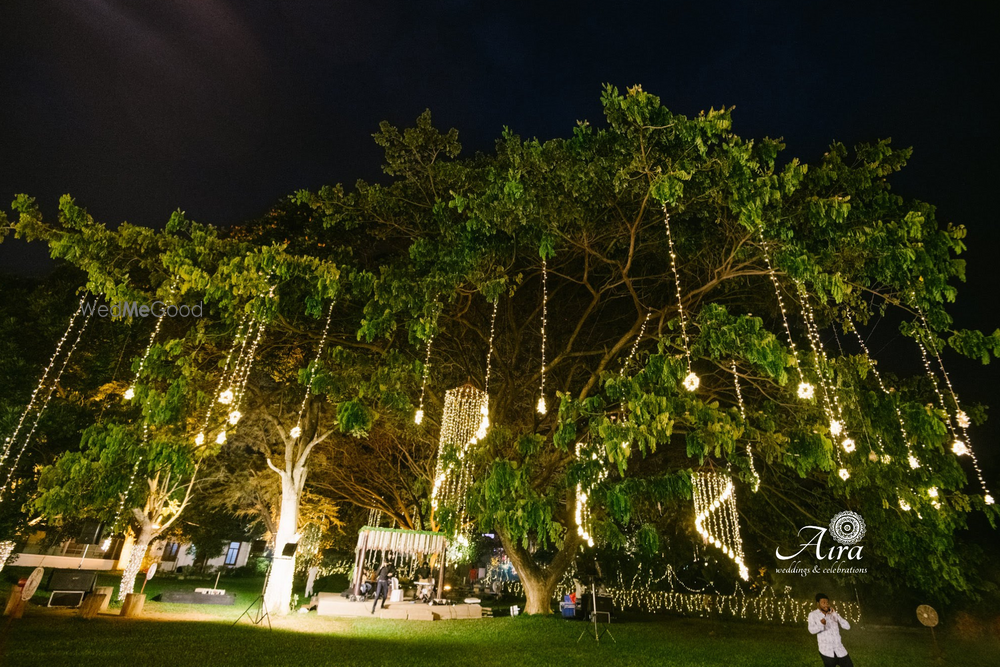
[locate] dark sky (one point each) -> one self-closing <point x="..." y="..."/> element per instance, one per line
<point x="221" y="107"/>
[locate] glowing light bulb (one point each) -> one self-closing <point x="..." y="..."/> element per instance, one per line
<point x="962" y="419"/>
<point x="844" y="474"/>
<point x="105" y="544"/>
<point x="989" y="499"/>
<point x="226" y="397"/>
<point x="541" y="406"/>
<point x="129" y="394"/>
<point x="221" y="438"/>
<point x="199" y="439"/>
<point x="419" y="417"/>
<point x="234" y="417"/>
<point x="886" y="458"/>
<point x="691" y="382"/>
<point x="806" y="390"/>
<point x="932" y="492"/>
<point x="903" y="505"/>
<point x="836" y="428"/>
<point x="848" y="445"/>
<point x="959" y="448"/>
<point x="295" y="432"/>
<point x="914" y="463"/>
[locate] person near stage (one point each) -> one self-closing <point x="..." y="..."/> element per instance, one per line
<point x="385" y="573"/>
<point x="825" y="623"/>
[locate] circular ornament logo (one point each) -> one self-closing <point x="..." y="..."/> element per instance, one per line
<point x="847" y="527"/>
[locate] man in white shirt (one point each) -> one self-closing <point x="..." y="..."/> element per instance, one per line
<point x="825" y="623"/>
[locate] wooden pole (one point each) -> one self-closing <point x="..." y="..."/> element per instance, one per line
<point x="441" y="572"/>
<point x="359" y="564"/>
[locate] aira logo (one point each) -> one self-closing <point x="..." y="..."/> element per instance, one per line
<point x="846" y="529"/>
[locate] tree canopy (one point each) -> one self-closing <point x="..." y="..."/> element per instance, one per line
<point x="667" y="246"/>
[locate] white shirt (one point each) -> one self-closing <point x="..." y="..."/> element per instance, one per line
<point x="828" y="634"/>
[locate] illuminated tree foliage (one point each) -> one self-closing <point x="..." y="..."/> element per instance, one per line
<point x="431" y="250"/>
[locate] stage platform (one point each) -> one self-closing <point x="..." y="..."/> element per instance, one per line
<point x="333" y="604"/>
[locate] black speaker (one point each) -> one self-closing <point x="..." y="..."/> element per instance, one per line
<point x="72" y="580"/>
<point x="289" y="549"/>
<point x="90" y="532"/>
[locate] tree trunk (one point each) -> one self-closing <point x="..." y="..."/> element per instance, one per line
<point x="135" y="561"/>
<point x="278" y="595"/>
<point x="540" y="581"/>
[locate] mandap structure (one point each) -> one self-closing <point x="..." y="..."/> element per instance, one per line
<point x="378" y="544"/>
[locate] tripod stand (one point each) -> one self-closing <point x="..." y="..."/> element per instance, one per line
<point x="598" y="632"/>
<point x="257" y="615"/>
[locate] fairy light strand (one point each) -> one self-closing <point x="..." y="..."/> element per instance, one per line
<point x="9" y="441"/>
<point x="716" y="518"/>
<point x="691" y="382"/>
<point x="960" y="447"/>
<point x="541" y="408"/>
<point x="44" y="404"/>
<point x="885" y="390"/>
<point x="743" y="414"/>
<point x="312" y="367"/>
<point x="805" y="390"/>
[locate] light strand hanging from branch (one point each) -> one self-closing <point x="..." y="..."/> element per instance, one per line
<point x="241" y="374"/>
<point x="911" y="456"/>
<point x="626" y="446"/>
<point x="297" y="429"/>
<point x="128" y="489"/>
<point x="743" y="414"/>
<point x="418" y="417"/>
<point x="831" y="403"/>
<point x="10" y="440"/>
<point x="691" y="380"/>
<point x="805" y="390"/>
<point x="584" y="520"/>
<point x="200" y="438"/>
<point x="484" y="424"/>
<point x="130" y="392"/>
<point x="542" y="409"/>
<point x="41" y="407"/>
<point x="963" y="446"/>
<point x="716" y="519"/>
<point x="460" y="422"/>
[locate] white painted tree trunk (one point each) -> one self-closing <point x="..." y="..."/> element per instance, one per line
<point x="135" y="561"/>
<point x="278" y="595"/>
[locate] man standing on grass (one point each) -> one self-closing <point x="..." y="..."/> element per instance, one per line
<point x="386" y="572"/>
<point x="825" y="623"/>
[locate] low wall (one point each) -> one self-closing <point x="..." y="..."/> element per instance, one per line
<point x="63" y="562"/>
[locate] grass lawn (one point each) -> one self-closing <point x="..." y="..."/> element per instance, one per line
<point x="199" y="635"/>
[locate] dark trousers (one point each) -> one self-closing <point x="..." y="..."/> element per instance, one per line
<point x="381" y="591"/>
<point x="837" y="662"/>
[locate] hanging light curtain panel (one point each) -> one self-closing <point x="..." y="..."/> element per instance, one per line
<point x="462" y="425"/>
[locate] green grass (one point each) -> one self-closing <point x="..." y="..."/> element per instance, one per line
<point x="200" y="635"/>
<point x="45" y="637"/>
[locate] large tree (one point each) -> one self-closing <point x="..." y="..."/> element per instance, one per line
<point x="630" y="314"/>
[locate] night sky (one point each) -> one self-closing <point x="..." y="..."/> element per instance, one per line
<point x="221" y="108"/>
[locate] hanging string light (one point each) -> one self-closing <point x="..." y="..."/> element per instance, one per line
<point x="419" y="416"/>
<point x="960" y="446"/>
<point x="545" y="316"/>
<point x="885" y="390"/>
<point x="459" y="425"/>
<point x="41" y="409"/>
<point x="691" y="380"/>
<point x="831" y="402"/>
<point x="296" y="430"/>
<point x="199" y="439"/>
<point x="805" y="390"/>
<point x="35" y="395"/>
<point x="484" y="425"/>
<point x="128" y="489"/>
<point x="716" y="519"/>
<point x="743" y="414"/>
<point x="130" y="392"/>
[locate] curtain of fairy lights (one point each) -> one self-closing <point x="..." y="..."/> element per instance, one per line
<point x="716" y="519"/>
<point x="460" y="427"/>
